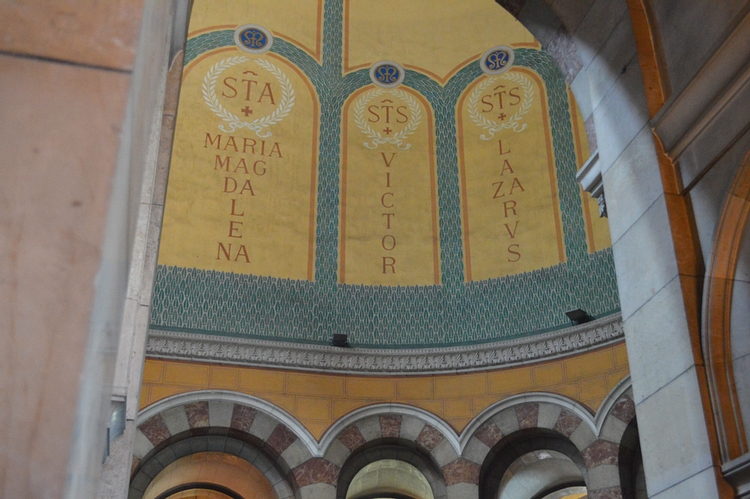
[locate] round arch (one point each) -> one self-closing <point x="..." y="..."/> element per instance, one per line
<point x="510" y="449"/>
<point x="717" y="330"/>
<point x="188" y="445"/>
<point x="217" y="421"/>
<point x="389" y="477"/>
<point x="396" y="450"/>
<point x="402" y="410"/>
<point x="219" y="472"/>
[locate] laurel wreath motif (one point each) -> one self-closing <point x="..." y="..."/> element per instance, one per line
<point x="376" y="139"/>
<point x="260" y="125"/>
<point x="513" y="122"/>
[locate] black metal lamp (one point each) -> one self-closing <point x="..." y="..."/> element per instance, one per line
<point x="340" y="340"/>
<point x="578" y="316"/>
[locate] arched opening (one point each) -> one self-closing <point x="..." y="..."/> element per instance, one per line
<point x="200" y="491"/>
<point x="630" y="462"/>
<point x="389" y="479"/>
<point x="568" y="493"/>
<point x="221" y="460"/>
<point x="210" y="475"/>
<point x="541" y="474"/>
<point x="390" y="469"/>
<point x="533" y="464"/>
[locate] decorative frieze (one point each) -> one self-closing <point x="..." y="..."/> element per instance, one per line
<point x="189" y="346"/>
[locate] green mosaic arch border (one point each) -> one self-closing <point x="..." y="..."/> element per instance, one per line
<point x="404" y="316"/>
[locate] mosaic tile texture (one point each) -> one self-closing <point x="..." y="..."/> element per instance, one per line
<point x="210" y="302"/>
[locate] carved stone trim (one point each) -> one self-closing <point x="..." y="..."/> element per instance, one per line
<point x="709" y="96"/>
<point x="189" y="346"/>
<point x="590" y="178"/>
<point x="737" y="472"/>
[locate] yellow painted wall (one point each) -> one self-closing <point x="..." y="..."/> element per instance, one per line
<point x="509" y="199"/>
<point x="385" y="30"/>
<point x="241" y="200"/>
<point x="209" y="15"/>
<point x="389" y="219"/>
<point x="317" y="400"/>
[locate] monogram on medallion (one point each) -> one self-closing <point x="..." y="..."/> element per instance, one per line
<point x="387" y="74"/>
<point x="497" y="60"/>
<point x="253" y="38"/>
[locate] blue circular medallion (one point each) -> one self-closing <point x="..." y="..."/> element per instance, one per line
<point x="497" y="60"/>
<point x="387" y="74"/>
<point x="253" y="38"/>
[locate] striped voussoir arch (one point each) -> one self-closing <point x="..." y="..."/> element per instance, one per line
<point x="297" y="465"/>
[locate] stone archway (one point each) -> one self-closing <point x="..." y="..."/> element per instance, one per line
<point x="211" y="421"/>
<point x="209" y="474"/>
<point x="397" y="452"/>
<point x="524" y="424"/>
<point x="720" y="327"/>
<point x="389" y="477"/>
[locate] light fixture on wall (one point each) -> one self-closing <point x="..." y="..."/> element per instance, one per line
<point x="578" y="316"/>
<point x="340" y="340"/>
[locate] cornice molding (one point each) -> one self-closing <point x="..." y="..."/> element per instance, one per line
<point x="737" y="472"/>
<point x="687" y="114"/>
<point x="590" y="178"/>
<point x="264" y="353"/>
<point x="700" y="123"/>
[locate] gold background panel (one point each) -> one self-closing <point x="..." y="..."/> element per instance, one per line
<point x="435" y="36"/>
<point x="299" y="21"/>
<point x="510" y="206"/>
<point x="236" y="188"/>
<point x="388" y="180"/>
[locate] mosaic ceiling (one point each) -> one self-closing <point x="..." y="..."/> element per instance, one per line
<point x="401" y="172"/>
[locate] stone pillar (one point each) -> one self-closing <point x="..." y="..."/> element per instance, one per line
<point x="155" y="103"/>
<point x="65" y="74"/>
